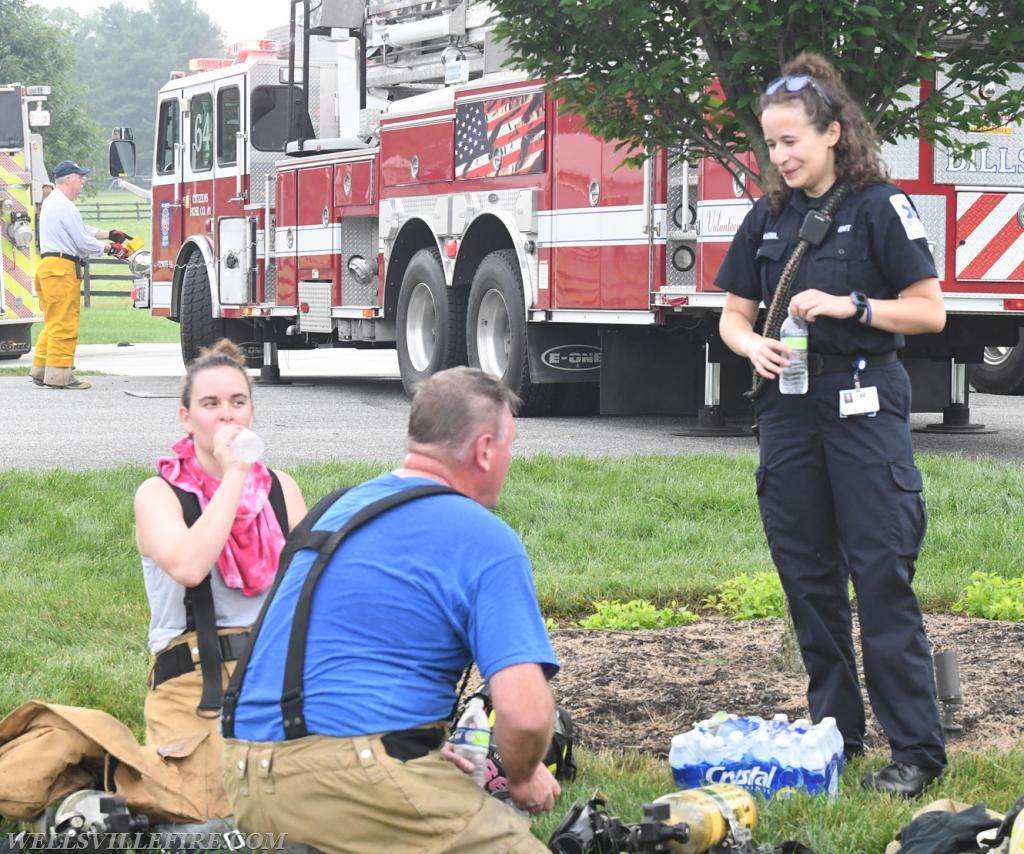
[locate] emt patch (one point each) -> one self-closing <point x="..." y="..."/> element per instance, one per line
<point x="912" y="224"/>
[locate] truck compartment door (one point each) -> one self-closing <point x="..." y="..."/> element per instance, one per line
<point x="236" y="259"/>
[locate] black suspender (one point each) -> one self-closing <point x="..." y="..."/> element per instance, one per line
<point x="325" y="543"/>
<point x="200" y="615"/>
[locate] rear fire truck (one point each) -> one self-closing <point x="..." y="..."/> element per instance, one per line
<point x="392" y="185"/>
<point x="21" y="178"/>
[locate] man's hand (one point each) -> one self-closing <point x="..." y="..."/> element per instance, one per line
<point x="118" y="236"/>
<point x="463" y="763"/>
<point x="116" y="250"/>
<point x="537" y="793"/>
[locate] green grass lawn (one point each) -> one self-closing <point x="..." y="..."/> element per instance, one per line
<point x="73" y="613"/>
<point x="112" y="320"/>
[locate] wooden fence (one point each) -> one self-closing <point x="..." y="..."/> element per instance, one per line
<point x="104" y="268"/>
<point x="112" y="211"/>
<point x="120" y="273"/>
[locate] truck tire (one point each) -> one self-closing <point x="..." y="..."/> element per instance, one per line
<point x="431" y="321"/>
<point x="1002" y="372"/>
<point x="199" y="328"/>
<point x="496" y="329"/>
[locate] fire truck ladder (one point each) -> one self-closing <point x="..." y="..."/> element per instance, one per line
<point x="414" y="45"/>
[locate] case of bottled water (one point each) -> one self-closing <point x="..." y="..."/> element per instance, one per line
<point x="773" y="757"/>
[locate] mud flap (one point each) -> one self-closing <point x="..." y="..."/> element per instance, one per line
<point x="15" y="340"/>
<point x="563" y="353"/>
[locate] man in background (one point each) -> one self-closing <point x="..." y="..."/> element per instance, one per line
<point x="65" y="241"/>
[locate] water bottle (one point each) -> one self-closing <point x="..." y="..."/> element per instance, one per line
<point x="701" y="810"/>
<point x="834" y="751"/>
<point x="472" y="738"/>
<point x="687" y="758"/>
<point x="793" y="380"/>
<point x="247" y="446"/>
<point x="813" y="762"/>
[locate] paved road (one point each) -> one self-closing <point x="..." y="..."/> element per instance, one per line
<point x="349" y="405"/>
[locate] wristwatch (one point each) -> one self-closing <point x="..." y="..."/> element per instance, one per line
<point x="860" y="304"/>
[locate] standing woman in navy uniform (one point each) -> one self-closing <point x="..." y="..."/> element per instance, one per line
<point x="839" y="494"/>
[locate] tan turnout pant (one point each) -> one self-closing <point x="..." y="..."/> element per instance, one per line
<point x="347" y="796"/>
<point x="172" y="724"/>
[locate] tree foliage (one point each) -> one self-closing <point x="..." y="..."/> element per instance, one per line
<point x="34" y="51"/>
<point x="125" y="55"/>
<point x="104" y="69"/>
<point x="642" y="72"/>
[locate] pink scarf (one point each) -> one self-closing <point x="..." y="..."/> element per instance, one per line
<point x="249" y="559"/>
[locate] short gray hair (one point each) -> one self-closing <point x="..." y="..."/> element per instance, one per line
<point x="450" y="408"/>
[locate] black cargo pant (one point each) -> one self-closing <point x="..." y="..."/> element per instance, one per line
<point x="841" y="500"/>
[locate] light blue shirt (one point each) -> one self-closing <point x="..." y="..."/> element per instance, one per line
<point x="62" y="229"/>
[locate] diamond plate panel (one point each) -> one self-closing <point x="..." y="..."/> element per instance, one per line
<point x="999" y="164"/>
<point x="317" y="295"/>
<point x="358" y="237"/>
<point x="270" y="276"/>
<point x="903" y="159"/>
<point x="932" y="210"/>
<point x="680" y="255"/>
<point x="903" y="156"/>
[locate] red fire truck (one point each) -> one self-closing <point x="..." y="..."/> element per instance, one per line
<point x="390" y="184"/>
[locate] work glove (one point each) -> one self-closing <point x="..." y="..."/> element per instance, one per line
<point x="116" y="250"/>
<point x="117" y="236"/>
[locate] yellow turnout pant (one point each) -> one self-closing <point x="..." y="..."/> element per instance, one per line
<point x="59" y="291"/>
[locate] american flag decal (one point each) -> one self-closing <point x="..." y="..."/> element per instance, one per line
<point x="500" y="136"/>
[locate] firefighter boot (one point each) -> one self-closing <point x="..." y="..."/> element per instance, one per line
<point x="36" y="373"/>
<point x="62" y="378"/>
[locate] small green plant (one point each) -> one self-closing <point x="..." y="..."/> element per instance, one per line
<point x="748" y="597"/>
<point x="636" y="614"/>
<point x="550" y="623"/>
<point x="993" y="598"/>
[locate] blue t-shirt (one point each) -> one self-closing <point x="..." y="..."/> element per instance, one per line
<point x="408" y="601"/>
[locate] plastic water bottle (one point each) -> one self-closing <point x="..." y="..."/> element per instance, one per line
<point x="472" y="738"/>
<point x="813" y="762"/>
<point x="793" y="380"/>
<point x="247" y="446"/>
<point x="834" y="751"/>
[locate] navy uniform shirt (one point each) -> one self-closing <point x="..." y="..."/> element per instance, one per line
<point x="875" y="244"/>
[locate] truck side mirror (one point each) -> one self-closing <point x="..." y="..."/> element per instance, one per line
<point x="121" y="158"/>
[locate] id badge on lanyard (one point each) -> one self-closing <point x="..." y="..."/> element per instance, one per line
<point x="858" y="400"/>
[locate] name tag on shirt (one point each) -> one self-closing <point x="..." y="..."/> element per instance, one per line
<point x="858" y="401"/>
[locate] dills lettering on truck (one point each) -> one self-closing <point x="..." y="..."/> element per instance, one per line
<point x="417" y="194"/>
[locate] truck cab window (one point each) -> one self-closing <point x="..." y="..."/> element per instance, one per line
<point x="166" y="136"/>
<point x="201" y="142"/>
<point x="229" y="122"/>
<point x="269" y="115"/>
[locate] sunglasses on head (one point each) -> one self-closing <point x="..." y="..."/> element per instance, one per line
<point x="796" y="82"/>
